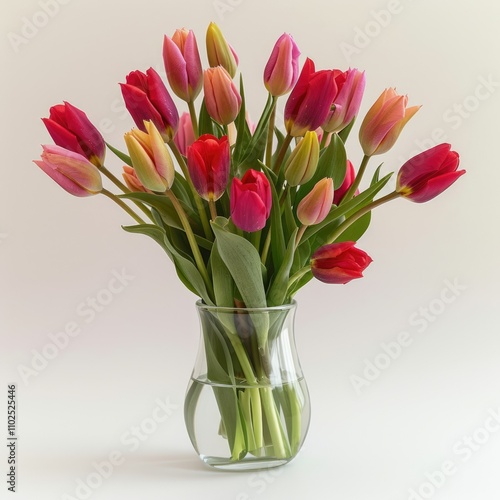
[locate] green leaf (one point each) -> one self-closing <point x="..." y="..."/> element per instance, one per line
<point x="167" y="211"/>
<point x="205" y="125"/>
<point x="278" y="246"/>
<point x="243" y="262"/>
<point x="357" y="229"/>
<point x="222" y="281"/>
<point x="186" y="270"/>
<point x="254" y="151"/>
<point x="123" y="157"/>
<point x="277" y="293"/>
<point x="243" y="135"/>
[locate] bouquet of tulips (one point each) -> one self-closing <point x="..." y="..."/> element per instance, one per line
<point x="247" y="213"/>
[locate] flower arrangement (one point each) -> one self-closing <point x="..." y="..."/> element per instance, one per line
<point x="248" y="214"/>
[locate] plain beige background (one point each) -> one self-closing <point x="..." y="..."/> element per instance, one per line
<point x="433" y="285"/>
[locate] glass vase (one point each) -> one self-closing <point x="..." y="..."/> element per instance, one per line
<point x="247" y="405"/>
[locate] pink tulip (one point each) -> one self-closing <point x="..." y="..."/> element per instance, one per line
<point x="70" y="128"/>
<point x="317" y="204"/>
<point x="251" y="201"/>
<point x="185" y="134"/>
<point x="310" y="100"/>
<point x="282" y="69"/>
<point x="72" y="171"/>
<point x="147" y="99"/>
<point x="132" y="181"/>
<point x="222" y="98"/>
<point x="428" y="174"/>
<point x="183" y="64"/>
<point x="384" y="122"/>
<point x="351" y="86"/>
<point x="350" y="175"/>
<point x="208" y="162"/>
<point x="339" y="263"/>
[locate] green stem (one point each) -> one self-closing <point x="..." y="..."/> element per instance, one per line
<point x="300" y="233"/>
<point x="192" y="241"/>
<point x="282" y="153"/>
<point x="213" y="209"/>
<point x="357" y="180"/>
<point x="125" y="189"/>
<point x="353" y="218"/>
<point x="123" y="205"/>
<point x="196" y="196"/>
<point x="265" y="250"/>
<point x="270" y="132"/>
<point x="255" y="239"/>
<point x="194" y="120"/>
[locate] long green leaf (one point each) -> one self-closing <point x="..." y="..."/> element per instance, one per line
<point x="123" y="157"/>
<point x="277" y="292"/>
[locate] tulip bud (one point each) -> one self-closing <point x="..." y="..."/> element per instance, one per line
<point x="339" y="263"/>
<point x="350" y="175"/>
<point x="150" y="157"/>
<point x="132" y="181"/>
<point x="317" y="204"/>
<point x="183" y="64"/>
<point x="351" y="86"/>
<point x="310" y="101"/>
<point x="219" y="52"/>
<point x="208" y="162"/>
<point x="72" y="171"/>
<point x="428" y="174"/>
<point x="251" y="201"/>
<point x="185" y="134"/>
<point x="222" y="98"/>
<point x="282" y="69"/>
<point x="147" y="99"/>
<point x="302" y="163"/>
<point x="70" y="128"/>
<point x="384" y="122"/>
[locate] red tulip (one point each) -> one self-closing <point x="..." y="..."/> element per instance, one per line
<point x="428" y="174"/>
<point x="72" y="171"/>
<point x="208" y="162"/>
<point x="70" y="128"/>
<point x="384" y="122"/>
<point x="350" y="175"/>
<point x="222" y="99"/>
<point x="251" y="201"/>
<point x="282" y="69"/>
<point x="183" y="64"/>
<point x="339" y="263"/>
<point x="351" y="86"/>
<point x="310" y="101"/>
<point x="185" y="133"/>
<point x="147" y="99"/>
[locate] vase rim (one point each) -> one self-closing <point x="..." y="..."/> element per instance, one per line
<point x="285" y="307"/>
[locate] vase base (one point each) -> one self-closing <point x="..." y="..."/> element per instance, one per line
<point x="243" y="465"/>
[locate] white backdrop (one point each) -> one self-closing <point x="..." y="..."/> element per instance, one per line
<point x="423" y="425"/>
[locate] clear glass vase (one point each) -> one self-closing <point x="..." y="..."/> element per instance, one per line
<point x="247" y="405"/>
